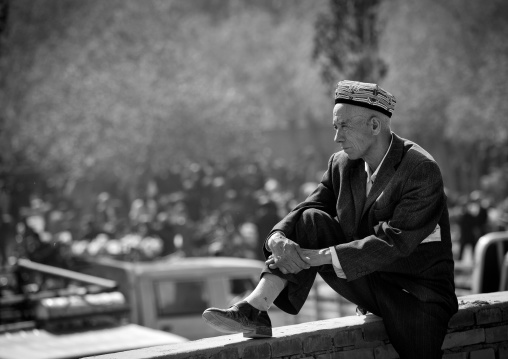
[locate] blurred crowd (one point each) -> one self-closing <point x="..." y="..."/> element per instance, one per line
<point x="472" y="216"/>
<point x="194" y="210"/>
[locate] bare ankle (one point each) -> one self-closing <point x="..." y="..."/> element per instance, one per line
<point x="258" y="303"/>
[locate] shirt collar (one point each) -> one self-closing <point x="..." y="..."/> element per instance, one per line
<point x="371" y="177"/>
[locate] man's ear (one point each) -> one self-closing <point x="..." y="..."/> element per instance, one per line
<point x="375" y="124"/>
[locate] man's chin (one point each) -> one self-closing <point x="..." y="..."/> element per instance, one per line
<point x="351" y="156"/>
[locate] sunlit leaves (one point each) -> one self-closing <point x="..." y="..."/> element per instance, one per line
<point x="121" y="89"/>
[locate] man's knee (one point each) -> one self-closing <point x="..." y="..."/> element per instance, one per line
<point x="317" y="229"/>
<point x="310" y="220"/>
<point x="313" y="215"/>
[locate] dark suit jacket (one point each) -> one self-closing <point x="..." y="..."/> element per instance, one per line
<point x="408" y="197"/>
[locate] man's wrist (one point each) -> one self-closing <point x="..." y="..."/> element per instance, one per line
<point x="327" y="255"/>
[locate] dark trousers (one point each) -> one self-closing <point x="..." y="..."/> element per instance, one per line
<point x="416" y="329"/>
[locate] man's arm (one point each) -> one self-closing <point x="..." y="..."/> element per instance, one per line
<point x="309" y="257"/>
<point x="324" y="199"/>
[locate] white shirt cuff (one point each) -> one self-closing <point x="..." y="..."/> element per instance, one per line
<point x="336" y="264"/>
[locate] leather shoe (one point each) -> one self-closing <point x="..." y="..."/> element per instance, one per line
<point x="240" y="318"/>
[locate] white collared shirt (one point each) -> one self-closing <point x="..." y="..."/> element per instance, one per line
<point x="371" y="177"/>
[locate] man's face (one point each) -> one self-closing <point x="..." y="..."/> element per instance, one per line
<point x="352" y="131"/>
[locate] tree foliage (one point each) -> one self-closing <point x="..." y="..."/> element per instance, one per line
<point x="120" y="90"/>
<point x="448" y="64"/>
<point x="346" y="41"/>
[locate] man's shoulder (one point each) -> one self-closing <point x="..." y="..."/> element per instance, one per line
<point x="414" y="156"/>
<point x="414" y="152"/>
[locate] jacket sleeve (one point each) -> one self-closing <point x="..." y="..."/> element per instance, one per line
<point x="408" y="220"/>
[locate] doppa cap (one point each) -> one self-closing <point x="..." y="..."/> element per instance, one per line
<point x="366" y="95"/>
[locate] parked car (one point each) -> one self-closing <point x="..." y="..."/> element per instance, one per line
<point x="171" y="295"/>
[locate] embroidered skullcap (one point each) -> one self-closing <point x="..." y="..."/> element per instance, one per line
<point x="366" y="95"/>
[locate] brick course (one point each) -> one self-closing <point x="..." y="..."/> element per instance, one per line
<point x="356" y="354"/>
<point x="496" y="334"/>
<point x="456" y="356"/>
<point x="483" y="354"/>
<point x="286" y="347"/>
<point x="316" y="343"/>
<point x="489" y="315"/>
<point x="346" y="338"/>
<point x="459" y="339"/>
<point x="263" y="351"/>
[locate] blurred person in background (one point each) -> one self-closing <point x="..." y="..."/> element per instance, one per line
<point x="90" y="229"/>
<point x="473" y="221"/>
<point x="7" y="225"/>
<point x="163" y="229"/>
<point x="142" y="211"/>
<point x="105" y="211"/>
<point x="466" y="224"/>
<point x="266" y="217"/>
<point x="501" y="216"/>
<point x="376" y="229"/>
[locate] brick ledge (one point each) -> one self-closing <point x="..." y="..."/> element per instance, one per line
<point x="479" y="328"/>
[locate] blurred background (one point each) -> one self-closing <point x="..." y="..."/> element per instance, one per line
<point x="201" y="119"/>
<point x="138" y="130"/>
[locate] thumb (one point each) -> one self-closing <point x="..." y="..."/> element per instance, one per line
<point x="304" y="258"/>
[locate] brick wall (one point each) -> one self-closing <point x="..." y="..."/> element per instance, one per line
<point x="478" y="330"/>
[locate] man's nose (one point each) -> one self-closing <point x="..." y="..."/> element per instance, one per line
<point x="338" y="136"/>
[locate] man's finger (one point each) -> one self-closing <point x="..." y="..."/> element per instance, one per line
<point x="303" y="257"/>
<point x="282" y="266"/>
<point x="274" y="262"/>
<point x="270" y="261"/>
<point x="300" y="264"/>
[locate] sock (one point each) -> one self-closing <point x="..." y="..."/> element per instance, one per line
<point x="267" y="290"/>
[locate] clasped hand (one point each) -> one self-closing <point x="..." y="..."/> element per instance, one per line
<point x="288" y="257"/>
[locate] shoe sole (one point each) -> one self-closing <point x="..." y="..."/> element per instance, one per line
<point x="226" y="325"/>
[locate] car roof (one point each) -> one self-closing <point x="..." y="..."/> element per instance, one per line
<point x="190" y="264"/>
<point x="42" y="344"/>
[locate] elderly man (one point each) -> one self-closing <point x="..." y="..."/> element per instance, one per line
<point x="376" y="229"/>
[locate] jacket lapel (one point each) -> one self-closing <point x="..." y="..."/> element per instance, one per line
<point x="351" y="200"/>
<point x="358" y="182"/>
<point x="386" y="172"/>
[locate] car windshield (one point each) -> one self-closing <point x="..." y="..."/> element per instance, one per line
<point x="181" y="297"/>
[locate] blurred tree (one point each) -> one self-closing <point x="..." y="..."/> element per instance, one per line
<point x="448" y="68"/>
<point x="4" y="149"/>
<point x="4" y="12"/>
<point x="346" y="41"/>
<point x="118" y="91"/>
